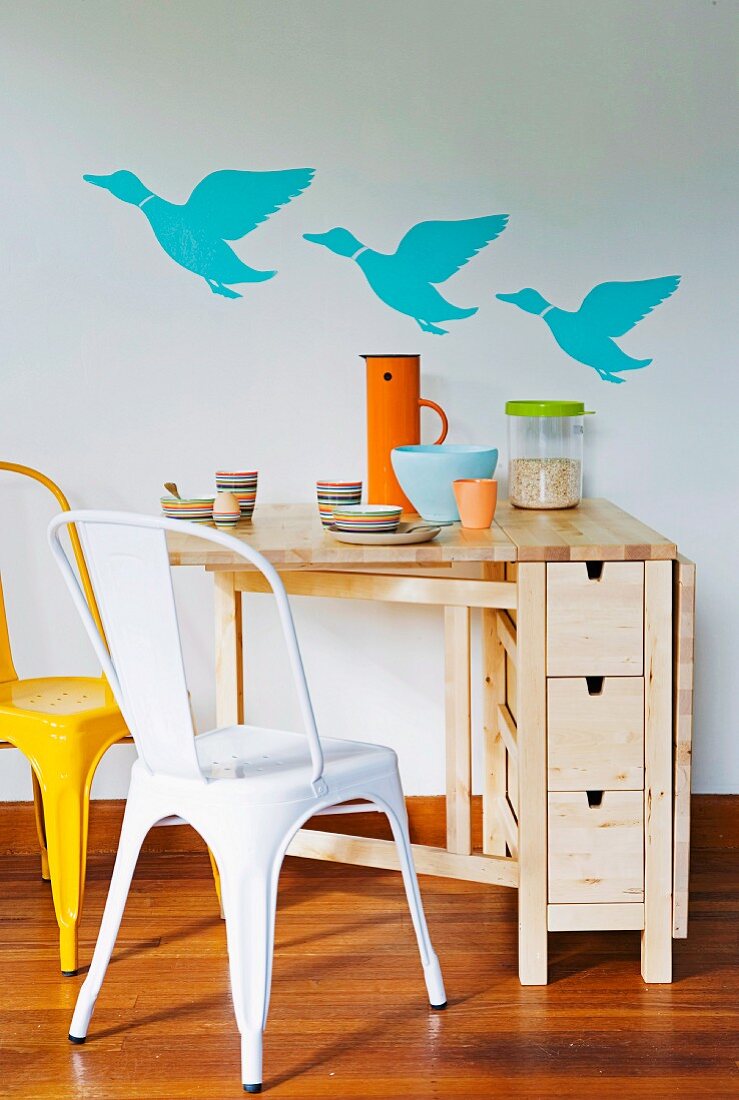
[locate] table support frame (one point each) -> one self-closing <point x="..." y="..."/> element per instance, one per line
<point x="458" y="596"/>
<point x="514" y="837"/>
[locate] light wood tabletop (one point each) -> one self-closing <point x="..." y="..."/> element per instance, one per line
<point x="291" y="535"/>
<point x="596" y="530"/>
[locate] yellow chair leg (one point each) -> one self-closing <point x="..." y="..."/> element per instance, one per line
<point x="68" y="949"/>
<point x="66" y="808"/>
<point x="216" y="880"/>
<point x="38" y="809"/>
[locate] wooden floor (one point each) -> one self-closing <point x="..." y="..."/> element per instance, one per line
<point x="349" y="1016"/>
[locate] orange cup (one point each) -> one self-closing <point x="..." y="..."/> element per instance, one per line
<point x="476" y="500"/>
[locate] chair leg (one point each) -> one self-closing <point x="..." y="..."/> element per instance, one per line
<point x="38" y="810"/>
<point x="66" y="809"/>
<point x="134" y="829"/>
<point x="398" y="818"/>
<point x="249" y="901"/>
<point x="63" y="767"/>
<point x="216" y="880"/>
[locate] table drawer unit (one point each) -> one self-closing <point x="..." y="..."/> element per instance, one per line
<point x="596" y="846"/>
<point x="595" y="733"/>
<point x="595" y="618"/>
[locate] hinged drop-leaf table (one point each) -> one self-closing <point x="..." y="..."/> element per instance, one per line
<point x="587" y="641"/>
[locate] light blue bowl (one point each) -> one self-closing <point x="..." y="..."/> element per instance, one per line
<point x="426" y="472"/>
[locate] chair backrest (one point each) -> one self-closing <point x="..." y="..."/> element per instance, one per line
<point x="7" y="670"/>
<point x="132" y="582"/>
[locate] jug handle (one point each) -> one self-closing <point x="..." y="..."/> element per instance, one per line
<point x="442" y="414"/>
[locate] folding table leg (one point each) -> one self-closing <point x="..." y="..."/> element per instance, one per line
<point x="458" y="730"/>
<point x="229" y="651"/>
<point x="656" y="941"/>
<point x="532" y="775"/>
<point x="494" y="751"/>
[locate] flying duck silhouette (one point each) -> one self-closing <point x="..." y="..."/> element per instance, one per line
<point x="609" y="310"/>
<point x="429" y="253"/>
<point x="223" y="207"/>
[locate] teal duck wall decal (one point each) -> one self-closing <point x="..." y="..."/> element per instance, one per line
<point x="609" y="310"/>
<point x="429" y="253"/>
<point x="223" y="207"/>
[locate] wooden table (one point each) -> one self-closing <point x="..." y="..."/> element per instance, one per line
<point x="587" y="705"/>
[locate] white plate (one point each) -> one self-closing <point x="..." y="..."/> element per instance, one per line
<point x="402" y="537"/>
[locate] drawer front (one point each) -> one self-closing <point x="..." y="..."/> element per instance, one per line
<point x="596" y="853"/>
<point x="595" y="742"/>
<point x="595" y="625"/>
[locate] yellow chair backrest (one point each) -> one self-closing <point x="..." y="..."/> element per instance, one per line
<point x="7" y="671"/>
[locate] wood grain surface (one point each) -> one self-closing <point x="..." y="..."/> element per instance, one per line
<point x="291" y="535"/>
<point x="596" y="530"/>
<point x="348" y="1017"/>
<point x="683" y="622"/>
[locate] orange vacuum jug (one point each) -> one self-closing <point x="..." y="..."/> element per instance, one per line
<point x="393" y="420"/>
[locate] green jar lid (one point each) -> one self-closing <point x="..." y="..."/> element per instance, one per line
<point x="546" y="408"/>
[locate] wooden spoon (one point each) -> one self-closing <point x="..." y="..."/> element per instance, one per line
<point x="172" y="488"/>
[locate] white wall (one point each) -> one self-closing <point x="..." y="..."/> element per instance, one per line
<point x="601" y="127"/>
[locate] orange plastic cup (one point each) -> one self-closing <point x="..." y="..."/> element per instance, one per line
<point x="476" y="500"/>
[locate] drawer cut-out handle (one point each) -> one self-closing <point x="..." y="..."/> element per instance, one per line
<point x="595" y="684"/>
<point x="595" y="570"/>
<point x="594" y="798"/>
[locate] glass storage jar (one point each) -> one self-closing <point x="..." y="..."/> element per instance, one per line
<point x="545" y="441"/>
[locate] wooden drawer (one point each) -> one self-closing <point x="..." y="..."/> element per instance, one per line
<point x="595" y="742"/>
<point x="595" y="624"/>
<point x="596" y="853"/>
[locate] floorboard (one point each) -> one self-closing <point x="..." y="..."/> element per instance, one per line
<point x="349" y="1015"/>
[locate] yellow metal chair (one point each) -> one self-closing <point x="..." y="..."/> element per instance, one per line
<point x="62" y="725"/>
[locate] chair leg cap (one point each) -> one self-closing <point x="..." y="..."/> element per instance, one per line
<point x="253" y="1088"/>
<point x="76" y="1039"/>
<point x="70" y="973"/>
<point x="440" y="1008"/>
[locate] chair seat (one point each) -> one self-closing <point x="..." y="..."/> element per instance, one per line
<point x="275" y="765"/>
<point x="59" y="701"/>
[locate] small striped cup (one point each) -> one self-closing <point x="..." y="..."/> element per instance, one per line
<point x="336" y="494"/>
<point x="243" y="485"/>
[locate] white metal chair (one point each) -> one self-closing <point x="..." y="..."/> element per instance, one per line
<point x="246" y="790"/>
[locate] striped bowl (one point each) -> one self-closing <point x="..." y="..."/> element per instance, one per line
<point x="195" y="509"/>
<point x="367" y="517"/>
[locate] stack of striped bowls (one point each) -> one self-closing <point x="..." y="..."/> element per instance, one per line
<point x="243" y="485"/>
<point x="370" y="518"/>
<point x="336" y="494"/>
<point x="196" y="509"/>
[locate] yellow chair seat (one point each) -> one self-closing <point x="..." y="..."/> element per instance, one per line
<point x="59" y="701"/>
